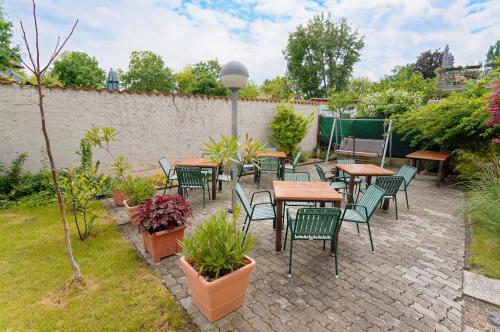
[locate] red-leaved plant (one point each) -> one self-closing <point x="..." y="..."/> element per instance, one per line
<point x="163" y="212"/>
<point x="494" y="109"/>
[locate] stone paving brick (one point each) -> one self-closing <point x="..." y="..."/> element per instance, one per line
<point x="413" y="280"/>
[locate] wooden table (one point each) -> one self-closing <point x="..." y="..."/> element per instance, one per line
<point x="367" y="170"/>
<point x="301" y="191"/>
<point x="202" y="163"/>
<point x="281" y="155"/>
<point x="441" y="157"/>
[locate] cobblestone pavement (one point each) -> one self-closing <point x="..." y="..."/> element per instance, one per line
<point x="413" y="280"/>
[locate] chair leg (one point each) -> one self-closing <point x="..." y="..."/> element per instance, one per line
<point x="324" y="245"/>
<point x="396" y="206"/>
<point x="406" y="195"/>
<point x="290" y="259"/>
<point x="370" y="235"/>
<point x="334" y="252"/>
<point x="203" y="189"/>
<point x="286" y="236"/>
<point x="244" y="224"/>
<point x="357" y="226"/>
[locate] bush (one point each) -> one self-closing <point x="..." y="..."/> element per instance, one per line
<point x="386" y="103"/>
<point x="217" y="246"/>
<point x="163" y="213"/>
<point x="138" y="189"/>
<point x="289" y="128"/>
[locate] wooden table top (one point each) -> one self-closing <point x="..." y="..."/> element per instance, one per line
<point x="277" y="154"/>
<point x="196" y="162"/>
<point x="364" y="170"/>
<point x="314" y="191"/>
<point x="429" y="155"/>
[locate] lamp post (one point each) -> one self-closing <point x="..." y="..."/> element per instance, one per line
<point x="234" y="75"/>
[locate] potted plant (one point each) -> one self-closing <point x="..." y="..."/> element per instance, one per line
<point x="217" y="268"/>
<point x="222" y="152"/>
<point x="250" y="149"/>
<point x="162" y="221"/>
<point x="139" y="190"/>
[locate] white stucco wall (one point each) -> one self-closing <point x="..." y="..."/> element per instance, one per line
<point x="149" y="126"/>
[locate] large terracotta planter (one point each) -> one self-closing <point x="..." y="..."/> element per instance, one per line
<point x="132" y="212"/>
<point x="217" y="298"/>
<point x="164" y="243"/>
<point x="119" y="197"/>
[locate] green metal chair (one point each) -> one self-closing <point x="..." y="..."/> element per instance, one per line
<point x="257" y="211"/>
<point x="243" y="168"/>
<point x="391" y="186"/>
<point x="269" y="148"/>
<point x="346" y="176"/>
<point x="192" y="178"/>
<point x="314" y="224"/>
<point x="408" y="172"/>
<point x="336" y="183"/>
<point x="206" y="171"/>
<point x="298" y="176"/>
<point x="293" y="165"/>
<point x="362" y="212"/>
<point x="267" y="165"/>
<point x="169" y="173"/>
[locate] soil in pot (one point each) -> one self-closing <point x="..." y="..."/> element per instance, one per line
<point x="119" y="197"/>
<point x="164" y="243"/>
<point x="217" y="298"/>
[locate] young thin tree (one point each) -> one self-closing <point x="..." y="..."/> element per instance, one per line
<point x="39" y="71"/>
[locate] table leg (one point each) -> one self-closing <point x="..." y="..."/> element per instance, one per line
<point x="385" y="205"/>
<point x="350" y="199"/>
<point x="413" y="162"/>
<point x="282" y="173"/>
<point x="279" y="217"/>
<point x="440" y="173"/>
<point x="214" y="182"/>
<point x="419" y="166"/>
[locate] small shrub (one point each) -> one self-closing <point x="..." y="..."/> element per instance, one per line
<point x="250" y="148"/>
<point x="217" y="246"/>
<point x="388" y="102"/>
<point x="163" y="213"/>
<point x="138" y="189"/>
<point x="222" y="151"/>
<point x="159" y="179"/>
<point x="289" y="128"/>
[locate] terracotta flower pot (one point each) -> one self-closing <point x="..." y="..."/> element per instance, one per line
<point x="217" y="298"/>
<point x="164" y="243"/>
<point x="119" y="197"/>
<point x="132" y="211"/>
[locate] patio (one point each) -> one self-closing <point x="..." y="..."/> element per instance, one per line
<point x="413" y="280"/>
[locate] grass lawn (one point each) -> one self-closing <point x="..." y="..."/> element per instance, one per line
<point x="485" y="246"/>
<point x="119" y="291"/>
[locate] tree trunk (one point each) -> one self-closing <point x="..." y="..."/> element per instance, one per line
<point x="69" y="253"/>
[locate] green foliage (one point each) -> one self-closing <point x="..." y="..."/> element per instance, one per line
<point x="7" y="59"/>
<point x="250" y="148"/>
<point x="321" y="55"/>
<point x="48" y="79"/>
<point x="183" y="79"/>
<point x="14" y="174"/>
<point x="202" y="78"/>
<point x="137" y="188"/>
<point x="386" y="103"/>
<point x="217" y="246"/>
<point x="147" y="72"/>
<point x="343" y="102"/>
<point x="289" y="127"/>
<point x="250" y="90"/>
<point x="78" y="69"/>
<point x="428" y="62"/>
<point x="493" y="53"/>
<point x="469" y="163"/>
<point x="280" y="87"/>
<point x="222" y="151"/>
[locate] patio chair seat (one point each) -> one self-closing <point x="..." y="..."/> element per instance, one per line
<point x="263" y="212"/>
<point x="353" y="215"/>
<point x="338" y="185"/>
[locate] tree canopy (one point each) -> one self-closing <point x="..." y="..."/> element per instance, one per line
<point x="428" y="62"/>
<point x="280" y="87"/>
<point x="147" y="72"/>
<point x="493" y="52"/>
<point x="78" y="69"/>
<point x="203" y="78"/>
<point x="321" y="55"/>
<point x="7" y="59"/>
<point x="250" y="90"/>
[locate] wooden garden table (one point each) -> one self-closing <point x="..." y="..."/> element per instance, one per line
<point x="367" y="170"/>
<point x="441" y="157"/>
<point x="202" y="163"/>
<point x="300" y="191"/>
<point x="281" y="155"/>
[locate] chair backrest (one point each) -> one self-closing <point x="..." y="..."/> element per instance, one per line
<point x="296" y="159"/>
<point x="165" y="166"/>
<point x="321" y="173"/>
<point x="390" y="184"/>
<point x="190" y="176"/>
<point x="370" y="199"/>
<point x="269" y="148"/>
<point x="269" y="164"/>
<point x="239" y="156"/>
<point x="206" y="155"/>
<point x="297" y="176"/>
<point x="350" y="161"/>
<point x="313" y="222"/>
<point x="408" y="172"/>
<point x="363" y="146"/>
<point x="243" y="199"/>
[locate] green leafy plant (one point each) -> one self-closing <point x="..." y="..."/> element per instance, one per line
<point x="250" y="148"/>
<point x="217" y="246"/>
<point x="289" y="128"/>
<point x="137" y="188"/>
<point x="222" y="151"/>
<point x="388" y="102"/>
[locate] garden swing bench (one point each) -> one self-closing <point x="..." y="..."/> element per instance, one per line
<point x="352" y="146"/>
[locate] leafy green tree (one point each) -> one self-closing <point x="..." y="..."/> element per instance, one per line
<point x="7" y="59"/>
<point x="78" y="69"/>
<point x="343" y="101"/>
<point x="201" y="78"/>
<point x="289" y="128"/>
<point x="280" y="87"/>
<point x="386" y="103"/>
<point x="183" y="79"/>
<point x="147" y="72"/>
<point x="493" y="52"/>
<point x="48" y="79"/>
<point x="250" y="90"/>
<point x="428" y="62"/>
<point x="321" y="55"/>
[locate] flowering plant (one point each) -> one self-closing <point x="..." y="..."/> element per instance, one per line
<point x="163" y="213"/>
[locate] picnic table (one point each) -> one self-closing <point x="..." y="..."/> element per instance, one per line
<point x="367" y="170"/>
<point x="202" y="163"/>
<point x="441" y="157"/>
<point x="300" y="191"/>
<point x="281" y="155"/>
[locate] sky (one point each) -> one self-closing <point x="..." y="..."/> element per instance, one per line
<point x="255" y="32"/>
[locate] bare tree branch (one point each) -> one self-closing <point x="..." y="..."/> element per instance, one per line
<point x="26" y="44"/>
<point x="58" y="50"/>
